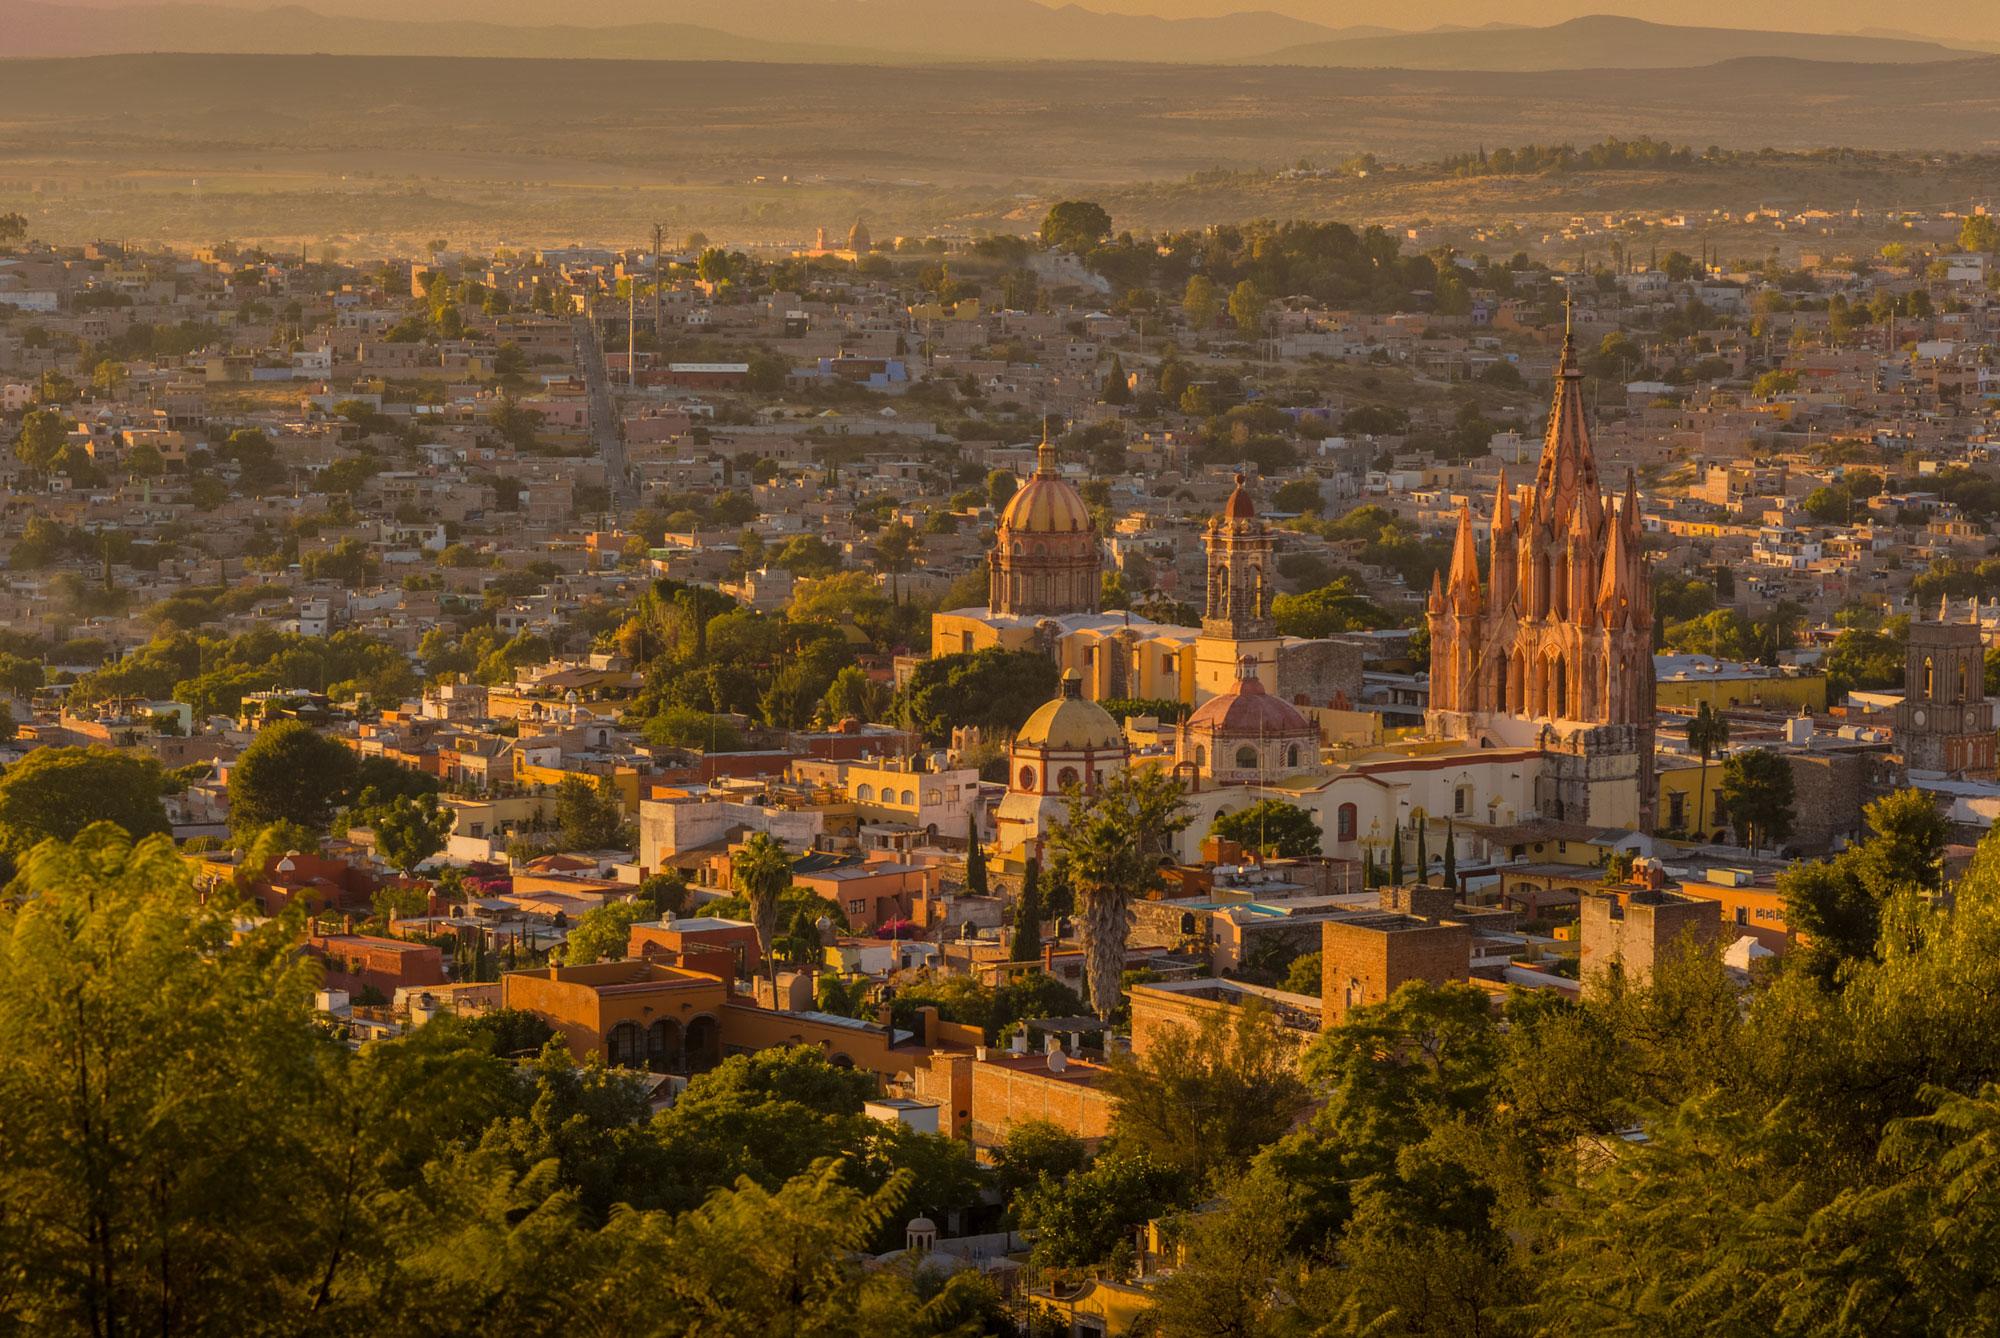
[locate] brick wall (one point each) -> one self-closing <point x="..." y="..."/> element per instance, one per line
<point x="1362" y="962"/>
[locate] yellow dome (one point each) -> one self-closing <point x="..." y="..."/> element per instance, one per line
<point x="1070" y="724"/>
<point x="1046" y="505"/>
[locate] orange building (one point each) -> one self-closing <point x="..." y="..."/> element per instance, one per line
<point x="662" y="1015"/>
<point x="875" y="893"/>
<point x="362" y="962"/>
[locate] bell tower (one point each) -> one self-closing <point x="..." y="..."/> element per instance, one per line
<point x="1945" y="722"/>
<point x="1236" y="622"/>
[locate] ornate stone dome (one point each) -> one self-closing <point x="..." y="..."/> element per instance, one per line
<point x="1070" y="724"/>
<point x="1046" y="504"/>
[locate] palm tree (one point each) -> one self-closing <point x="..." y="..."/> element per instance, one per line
<point x="762" y="871"/>
<point x="1708" y="734"/>
<point x="1113" y="842"/>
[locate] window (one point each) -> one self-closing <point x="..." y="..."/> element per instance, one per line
<point x="1200" y="756"/>
<point x="1676" y="809"/>
<point x="933" y="796"/>
<point x="1292" y="756"/>
<point x="625" y="1047"/>
<point x="858" y="906"/>
<point x="865" y="794"/>
<point x="909" y="798"/>
<point x="1930" y="678"/>
<point x="1027" y="778"/>
<point x="1066" y="778"/>
<point x="1461" y="800"/>
<point x="1246" y="756"/>
<point x="1346" y="822"/>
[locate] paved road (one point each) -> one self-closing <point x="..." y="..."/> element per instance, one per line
<point x="603" y="417"/>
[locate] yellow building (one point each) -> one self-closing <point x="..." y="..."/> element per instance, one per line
<point x="1684" y="682"/>
<point x="624" y="780"/>
<point x="1680" y="786"/>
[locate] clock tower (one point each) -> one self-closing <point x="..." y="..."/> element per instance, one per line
<point x="1945" y="723"/>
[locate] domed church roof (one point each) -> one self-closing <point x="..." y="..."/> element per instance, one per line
<point x="1046" y="503"/>
<point x="1071" y="724"/>
<point x="1249" y="712"/>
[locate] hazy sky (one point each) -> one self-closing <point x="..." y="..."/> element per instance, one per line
<point x="1967" y="20"/>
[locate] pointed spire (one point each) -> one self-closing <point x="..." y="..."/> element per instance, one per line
<point x="1465" y="563"/>
<point x="1944" y="608"/>
<point x="1437" y="592"/>
<point x="1568" y="466"/>
<point x="1503" y="506"/>
<point x="1045" y="454"/>
<point x="1614" y="598"/>
<point x="1568" y="361"/>
<point x="1630" y="513"/>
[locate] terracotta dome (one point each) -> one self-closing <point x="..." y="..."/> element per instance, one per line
<point x="1239" y="506"/>
<point x="1249" y="711"/>
<point x="1071" y="724"/>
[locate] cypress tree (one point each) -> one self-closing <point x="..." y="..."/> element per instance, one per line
<point x="1373" y="877"/>
<point x="1450" y="858"/>
<point x="975" y="860"/>
<point x="1423" y="850"/>
<point x="1396" y="854"/>
<point x="1028" y="915"/>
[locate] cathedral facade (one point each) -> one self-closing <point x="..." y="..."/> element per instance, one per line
<point x="1554" y="647"/>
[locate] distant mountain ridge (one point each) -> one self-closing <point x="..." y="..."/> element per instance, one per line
<point x="844" y="31"/>
<point x="1603" y="42"/>
<point x="893" y="32"/>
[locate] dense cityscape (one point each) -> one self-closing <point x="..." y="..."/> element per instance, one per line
<point x="1289" y="776"/>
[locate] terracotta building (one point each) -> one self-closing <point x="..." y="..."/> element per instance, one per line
<point x="1556" y="647"/>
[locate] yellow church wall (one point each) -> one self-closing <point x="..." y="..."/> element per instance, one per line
<point x="1792" y="691"/>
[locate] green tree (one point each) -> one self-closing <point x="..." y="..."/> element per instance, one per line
<point x="975" y="859"/>
<point x="1076" y="225"/>
<point x="1708" y="734"/>
<point x="1304" y="976"/>
<point x="1271" y="827"/>
<point x="1201" y="304"/>
<point x="1247" y="305"/>
<point x="55" y="793"/>
<point x="1206" y="1098"/>
<point x="141" y="1037"/>
<point x="289" y="773"/>
<point x="1757" y="791"/>
<point x="1032" y="1150"/>
<point x="409" y="831"/>
<point x="602" y="934"/>
<point x="43" y="434"/>
<point x="588" y="814"/>
<point x="1089" y="1217"/>
<point x="761" y="870"/>
<point x="1117" y="388"/>
<point x="1027" y="944"/>
<point x="1112" y="843"/>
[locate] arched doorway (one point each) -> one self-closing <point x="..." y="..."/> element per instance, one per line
<point x="704" y="1044"/>
<point x="663" y="1046"/>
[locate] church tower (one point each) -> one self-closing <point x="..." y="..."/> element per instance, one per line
<point x="1236" y="622"/>
<point x="1554" y="647"/>
<point x="1045" y="557"/>
<point x="1945" y="723"/>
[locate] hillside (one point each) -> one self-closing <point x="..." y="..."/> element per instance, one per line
<point x="772" y="30"/>
<point x="200" y="147"/>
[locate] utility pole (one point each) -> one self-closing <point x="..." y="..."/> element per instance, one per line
<point x="659" y="299"/>
<point x="632" y="332"/>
